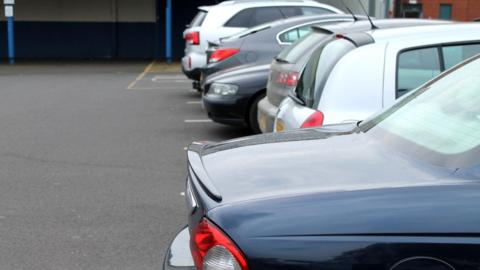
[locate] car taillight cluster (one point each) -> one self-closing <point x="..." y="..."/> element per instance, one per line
<point x="213" y="250"/>
<point x="287" y="78"/>
<point x="314" y="120"/>
<point x="193" y="38"/>
<point x="222" y="54"/>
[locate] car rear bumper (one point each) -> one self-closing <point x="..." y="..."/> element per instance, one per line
<point x="192" y="63"/>
<point x="178" y="256"/>
<point x="227" y="110"/>
<point x="266" y="115"/>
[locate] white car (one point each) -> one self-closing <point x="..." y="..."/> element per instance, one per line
<point x="231" y="17"/>
<point x="353" y="76"/>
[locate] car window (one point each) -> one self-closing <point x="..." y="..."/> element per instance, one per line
<point x="439" y="122"/>
<point x="291" y="11"/>
<point x="311" y="40"/>
<point x="295" y="34"/>
<point x="306" y="83"/>
<point x="416" y="67"/>
<point x="458" y="53"/>
<point x="318" y="69"/>
<point x="315" y="11"/>
<point x="241" y="19"/>
<point x="265" y="15"/>
<point x="198" y="19"/>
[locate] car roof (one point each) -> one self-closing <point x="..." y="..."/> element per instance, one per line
<point x="282" y="24"/>
<point x="422" y="31"/>
<point x="237" y="2"/>
<point x="364" y="25"/>
<point x="268" y="3"/>
<point x="301" y="19"/>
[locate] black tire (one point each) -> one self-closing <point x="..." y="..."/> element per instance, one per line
<point x="252" y="115"/>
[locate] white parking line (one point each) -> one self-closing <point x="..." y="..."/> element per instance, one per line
<point x="194" y="102"/>
<point x="163" y="77"/>
<point x="194" y="121"/>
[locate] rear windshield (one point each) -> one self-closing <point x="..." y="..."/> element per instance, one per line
<point x="440" y="122"/>
<point x="198" y="19"/>
<point x="318" y="69"/>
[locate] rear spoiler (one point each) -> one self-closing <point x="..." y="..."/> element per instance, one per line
<point x="358" y="38"/>
<point x="322" y="30"/>
<point x="205" y="8"/>
<point x="196" y="165"/>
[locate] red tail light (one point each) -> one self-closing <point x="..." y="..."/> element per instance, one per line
<point x="314" y="120"/>
<point x="210" y="246"/>
<point x="222" y="54"/>
<point x="193" y="38"/>
<point x="288" y="79"/>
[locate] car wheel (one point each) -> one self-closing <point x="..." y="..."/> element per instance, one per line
<point x="252" y="115"/>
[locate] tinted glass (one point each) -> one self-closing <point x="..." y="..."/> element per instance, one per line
<point x="293" y="53"/>
<point x="306" y="83"/>
<point x="291" y="11"/>
<point x="295" y="34"/>
<point x="264" y="15"/>
<point x="312" y="39"/>
<point x="315" y="11"/>
<point x="241" y="19"/>
<point x="458" y="53"/>
<point x="198" y="19"/>
<point x="416" y="67"/>
<point x="440" y="122"/>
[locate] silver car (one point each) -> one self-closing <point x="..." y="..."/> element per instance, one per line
<point x="232" y="17"/>
<point x="286" y="67"/>
<point x="356" y="75"/>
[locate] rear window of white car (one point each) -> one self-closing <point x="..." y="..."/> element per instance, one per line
<point x="251" y="17"/>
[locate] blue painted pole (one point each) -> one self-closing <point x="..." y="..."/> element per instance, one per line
<point x="11" y="40"/>
<point x="168" y="24"/>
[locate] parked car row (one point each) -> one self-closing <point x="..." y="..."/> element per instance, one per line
<point x="374" y="158"/>
<point x="232" y="17"/>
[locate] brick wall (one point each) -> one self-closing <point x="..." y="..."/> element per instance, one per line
<point x="462" y="10"/>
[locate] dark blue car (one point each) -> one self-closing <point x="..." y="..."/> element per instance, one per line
<point x="402" y="191"/>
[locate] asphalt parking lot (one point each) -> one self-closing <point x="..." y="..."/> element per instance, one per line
<point x="92" y="163"/>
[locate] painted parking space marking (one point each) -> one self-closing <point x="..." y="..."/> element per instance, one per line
<point x="194" y="102"/>
<point x="195" y="121"/>
<point x="167" y="77"/>
<point x="141" y="76"/>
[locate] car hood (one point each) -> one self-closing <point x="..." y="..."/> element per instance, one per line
<point x="305" y="161"/>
